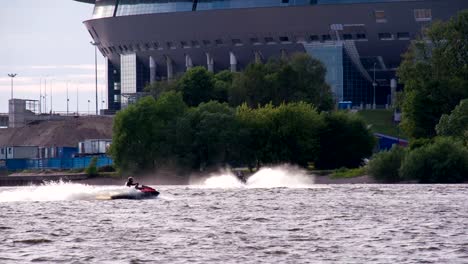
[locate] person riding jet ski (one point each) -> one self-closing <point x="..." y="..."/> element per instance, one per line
<point x="130" y="183"/>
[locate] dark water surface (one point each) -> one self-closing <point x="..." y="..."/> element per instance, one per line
<point x="320" y="224"/>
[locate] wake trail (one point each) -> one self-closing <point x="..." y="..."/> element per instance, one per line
<point x="269" y="177"/>
<point x="62" y="191"/>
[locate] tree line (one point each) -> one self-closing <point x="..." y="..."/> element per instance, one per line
<point x="155" y="133"/>
<point x="299" y="78"/>
<point x="435" y="109"/>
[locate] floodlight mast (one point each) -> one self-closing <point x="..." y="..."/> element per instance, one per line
<point x="12" y="75"/>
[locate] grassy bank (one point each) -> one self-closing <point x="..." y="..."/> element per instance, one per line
<point x="381" y="121"/>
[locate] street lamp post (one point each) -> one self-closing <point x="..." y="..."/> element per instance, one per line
<point x="374" y="84"/>
<point x="89" y="101"/>
<point x="12" y="75"/>
<point x="68" y="99"/>
<point x="95" y="44"/>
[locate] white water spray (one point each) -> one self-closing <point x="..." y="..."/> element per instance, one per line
<point x="268" y="177"/>
<point x="61" y="191"/>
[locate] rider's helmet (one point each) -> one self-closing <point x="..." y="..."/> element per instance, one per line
<point x="130" y="179"/>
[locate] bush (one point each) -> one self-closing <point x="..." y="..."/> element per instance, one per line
<point x="384" y="166"/>
<point x="107" y="168"/>
<point x="444" y="161"/>
<point x="92" y="169"/>
<point x="420" y="142"/>
<point x="455" y="124"/>
<point x="345" y="141"/>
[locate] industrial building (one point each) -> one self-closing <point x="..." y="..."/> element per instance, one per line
<point x="359" y="41"/>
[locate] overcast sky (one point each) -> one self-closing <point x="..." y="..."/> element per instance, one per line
<point x="46" y="39"/>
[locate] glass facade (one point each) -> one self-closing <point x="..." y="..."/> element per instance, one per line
<point x="331" y="55"/>
<point x="109" y="8"/>
<point x="356" y="88"/>
<point x="104" y="8"/>
<point x="345" y="79"/>
<point x="139" y="7"/>
<point x="133" y="78"/>
<point x="128" y="73"/>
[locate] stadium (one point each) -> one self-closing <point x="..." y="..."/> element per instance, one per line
<point x="359" y="41"/>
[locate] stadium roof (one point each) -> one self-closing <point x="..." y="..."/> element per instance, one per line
<point x="87" y="1"/>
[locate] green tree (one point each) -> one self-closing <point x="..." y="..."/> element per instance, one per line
<point x="255" y="126"/>
<point x="311" y="86"/>
<point x="197" y="86"/>
<point x="455" y="124"/>
<point x="444" y="161"/>
<point x="300" y="78"/>
<point x="251" y="87"/>
<point x="156" y="89"/>
<point x="222" y="84"/>
<point x="92" y="169"/>
<point x="344" y="141"/>
<point x="384" y="166"/>
<point x="435" y="74"/>
<point x="144" y="133"/>
<point x="213" y="127"/>
<point x="295" y="134"/>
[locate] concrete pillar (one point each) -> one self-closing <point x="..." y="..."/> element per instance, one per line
<point x="188" y="62"/>
<point x="393" y="87"/>
<point x="170" y="70"/>
<point x="258" y="57"/>
<point x="233" y="62"/>
<point x="284" y="54"/>
<point x="152" y="64"/>
<point x="209" y="62"/>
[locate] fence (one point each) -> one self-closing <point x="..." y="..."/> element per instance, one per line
<point x="55" y="163"/>
<point x="386" y="142"/>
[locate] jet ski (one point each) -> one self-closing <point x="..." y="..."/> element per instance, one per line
<point x="143" y="192"/>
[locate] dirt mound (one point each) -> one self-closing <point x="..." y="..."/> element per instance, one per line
<point x="63" y="133"/>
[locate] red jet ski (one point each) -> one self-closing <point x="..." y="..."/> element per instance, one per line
<point x="144" y="192"/>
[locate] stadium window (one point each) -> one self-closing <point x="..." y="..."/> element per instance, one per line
<point x="361" y="36"/>
<point x="423" y="14"/>
<point x="380" y="16"/>
<point x="206" y="42"/>
<point x="255" y="41"/>
<point x="156" y="45"/>
<point x="314" y="38"/>
<point x="170" y="45"/>
<point x="237" y="42"/>
<point x="219" y="42"/>
<point x="195" y="44"/>
<point x="403" y="35"/>
<point x="269" y="40"/>
<point x="347" y="36"/>
<point x="184" y="44"/>
<point x="385" y="36"/>
<point x="284" y="39"/>
<point x="147" y="46"/>
<point x="326" y="37"/>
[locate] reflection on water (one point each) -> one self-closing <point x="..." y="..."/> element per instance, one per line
<point x="317" y="224"/>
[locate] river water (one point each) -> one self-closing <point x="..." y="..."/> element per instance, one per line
<point x="222" y="221"/>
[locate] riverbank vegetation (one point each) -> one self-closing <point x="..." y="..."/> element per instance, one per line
<point x="435" y="109"/>
<point x="158" y="132"/>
